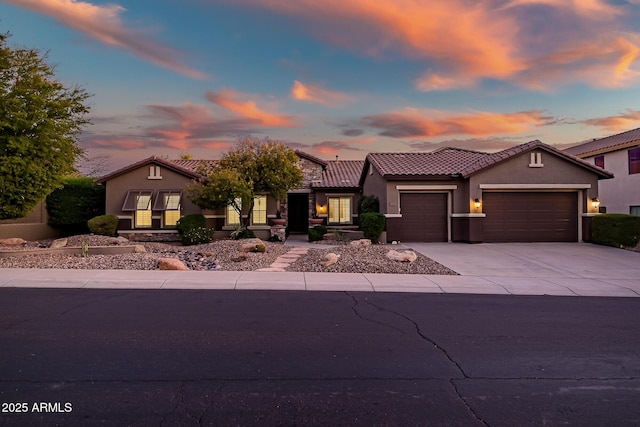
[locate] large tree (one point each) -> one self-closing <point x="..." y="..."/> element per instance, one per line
<point x="40" y="119"/>
<point x="254" y="167"/>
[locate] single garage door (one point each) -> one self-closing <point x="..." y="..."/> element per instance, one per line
<point x="424" y="217"/>
<point x="530" y="217"/>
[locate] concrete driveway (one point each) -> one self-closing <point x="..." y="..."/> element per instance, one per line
<point x="602" y="268"/>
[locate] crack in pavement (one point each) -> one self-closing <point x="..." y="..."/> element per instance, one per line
<point x="355" y="311"/>
<point x="441" y="349"/>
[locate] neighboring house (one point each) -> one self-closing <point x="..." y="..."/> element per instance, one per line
<point x="149" y="197"/>
<point x="619" y="154"/>
<point x="528" y="193"/>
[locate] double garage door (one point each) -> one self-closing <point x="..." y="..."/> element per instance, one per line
<point x="510" y="217"/>
<point x="530" y="217"/>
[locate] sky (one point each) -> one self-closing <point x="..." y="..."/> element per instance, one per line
<point x="338" y="77"/>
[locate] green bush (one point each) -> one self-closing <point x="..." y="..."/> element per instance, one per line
<point x="105" y="225"/>
<point x="193" y="230"/>
<point x="372" y="224"/>
<point x="197" y="236"/>
<point x="368" y="204"/>
<point x="317" y="233"/>
<point x="619" y="230"/>
<point x="71" y="206"/>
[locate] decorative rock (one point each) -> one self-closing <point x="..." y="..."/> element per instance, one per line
<point x="171" y="264"/>
<point x="329" y="259"/>
<point x="329" y="236"/>
<point x="120" y="240"/>
<point x="58" y="243"/>
<point x="404" y="256"/>
<point x="254" y="245"/>
<point x="12" y="241"/>
<point x="139" y="249"/>
<point x="361" y="242"/>
<point x="240" y="257"/>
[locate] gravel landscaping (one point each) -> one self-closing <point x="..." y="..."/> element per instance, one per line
<point x="219" y="255"/>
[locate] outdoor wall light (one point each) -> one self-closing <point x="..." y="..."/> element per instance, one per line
<point x="476" y="203"/>
<point x="321" y="209"/>
<point x="595" y="203"/>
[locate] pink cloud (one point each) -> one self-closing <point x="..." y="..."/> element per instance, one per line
<point x="232" y="101"/>
<point x="462" y="42"/>
<point x="413" y="123"/>
<point x="317" y="94"/>
<point x="618" y="123"/>
<point x="103" y="23"/>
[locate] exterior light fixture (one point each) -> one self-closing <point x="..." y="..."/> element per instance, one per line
<point x="476" y="203"/>
<point x="595" y="203"/>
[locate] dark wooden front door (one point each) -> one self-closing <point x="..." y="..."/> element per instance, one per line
<point x="424" y="217"/>
<point x="298" y="212"/>
<point x="530" y="217"/>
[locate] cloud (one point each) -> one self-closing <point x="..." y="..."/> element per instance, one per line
<point x="231" y="101"/>
<point x="103" y="23"/>
<point x="413" y="123"/>
<point x="461" y="43"/>
<point x="618" y="123"/>
<point x="333" y="148"/>
<point x="317" y="94"/>
<point x="490" y="144"/>
<point x="352" y="132"/>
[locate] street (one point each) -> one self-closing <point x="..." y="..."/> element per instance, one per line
<point x="206" y="357"/>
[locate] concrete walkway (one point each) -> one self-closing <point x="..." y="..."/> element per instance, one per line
<point x="566" y="269"/>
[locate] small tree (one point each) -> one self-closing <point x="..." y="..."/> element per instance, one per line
<point x="71" y="206"/>
<point x="254" y="167"/>
<point x="39" y="121"/>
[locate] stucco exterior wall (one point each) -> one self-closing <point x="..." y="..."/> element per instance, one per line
<point x="33" y="226"/>
<point x="375" y="184"/>
<point x="623" y="191"/>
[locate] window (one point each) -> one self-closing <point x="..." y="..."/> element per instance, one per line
<point x="139" y="201"/>
<point x="168" y="201"/>
<point x="599" y="161"/>
<point x="233" y="218"/>
<point x="536" y="160"/>
<point x="634" y="161"/>
<point x="340" y="210"/>
<point x="634" y="210"/>
<point x="259" y="213"/>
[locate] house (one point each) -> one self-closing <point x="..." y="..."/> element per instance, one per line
<point x="148" y="197"/>
<point x="528" y="193"/>
<point x="619" y="154"/>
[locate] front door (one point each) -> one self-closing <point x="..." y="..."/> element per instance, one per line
<point x="298" y="212"/>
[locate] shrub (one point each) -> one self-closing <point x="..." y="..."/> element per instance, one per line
<point x="372" y="224"/>
<point x="105" y="225"/>
<point x="197" y="236"/>
<point x="193" y="230"/>
<point x="368" y="204"/>
<point x="619" y="230"/>
<point x="71" y="206"/>
<point x="317" y="233"/>
<point x="242" y="233"/>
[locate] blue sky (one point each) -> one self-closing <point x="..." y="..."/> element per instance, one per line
<point x="339" y="77"/>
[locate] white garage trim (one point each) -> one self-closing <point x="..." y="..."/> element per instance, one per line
<point x="425" y="187"/>
<point x="534" y="186"/>
<point x="468" y="215"/>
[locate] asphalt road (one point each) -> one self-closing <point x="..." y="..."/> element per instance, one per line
<point x="171" y="358"/>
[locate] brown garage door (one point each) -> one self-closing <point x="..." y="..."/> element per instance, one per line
<point x="530" y="217"/>
<point x="424" y="217"/>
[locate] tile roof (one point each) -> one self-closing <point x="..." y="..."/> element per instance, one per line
<point x="341" y="174"/>
<point x="194" y="165"/>
<point x="314" y="159"/>
<point x="455" y="162"/>
<point x="149" y="160"/>
<point x="606" y="144"/>
<point x="443" y="162"/>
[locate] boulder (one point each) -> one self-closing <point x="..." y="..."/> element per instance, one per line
<point x="58" y="243"/>
<point x="361" y="242"/>
<point x="329" y="236"/>
<point x="12" y="241"/>
<point x="404" y="256"/>
<point x="171" y="264"/>
<point x="139" y="249"/>
<point x="329" y="259"/>
<point x="120" y="240"/>
<point x="253" y="245"/>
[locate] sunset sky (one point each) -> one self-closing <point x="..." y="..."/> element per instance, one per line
<point x="339" y="77"/>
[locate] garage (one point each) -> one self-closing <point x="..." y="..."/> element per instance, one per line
<point x="530" y="217"/>
<point x="424" y="217"/>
